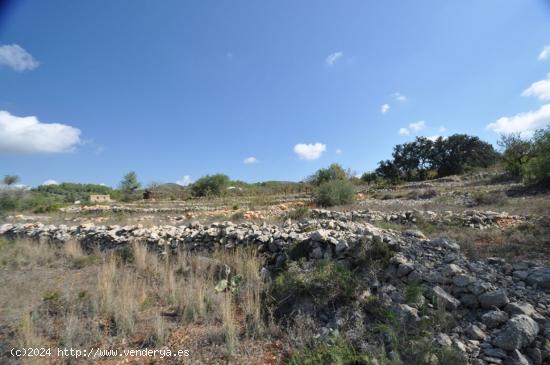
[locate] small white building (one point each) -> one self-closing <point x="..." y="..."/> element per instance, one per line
<point x="96" y="198"/>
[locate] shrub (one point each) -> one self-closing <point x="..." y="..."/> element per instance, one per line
<point x="336" y="192"/>
<point x="538" y="166"/>
<point x="339" y="352"/>
<point x="208" y="185"/>
<point x="298" y="213"/>
<point x="515" y="153"/>
<point x="8" y="201"/>
<point x="489" y="198"/>
<point x="333" y="172"/>
<point x="422" y="194"/>
<point x="324" y="282"/>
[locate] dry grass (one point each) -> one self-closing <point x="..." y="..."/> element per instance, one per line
<point x="73" y="249"/>
<point x="114" y="301"/>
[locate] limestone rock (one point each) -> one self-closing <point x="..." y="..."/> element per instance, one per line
<point x="519" y="332"/>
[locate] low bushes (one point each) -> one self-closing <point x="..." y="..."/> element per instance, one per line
<point x="335" y="192"/>
<point x="324" y="283"/>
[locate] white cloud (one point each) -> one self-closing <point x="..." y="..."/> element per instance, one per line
<point x="338" y="151"/>
<point x="442" y="129"/>
<point x="16" y="58"/>
<point x="399" y="97"/>
<point x="311" y="151"/>
<point x="384" y="108"/>
<point x="524" y="123"/>
<point x="544" y="54"/>
<point x="539" y="89"/>
<point x="50" y="182"/>
<point x="250" y="160"/>
<point x="415" y="127"/>
<point x="186" y="180"/>
<point x="418" y="126"/>
<point x="29" y="135"/>
<point x="333" y="57"/>
<point x="433" y="138"/>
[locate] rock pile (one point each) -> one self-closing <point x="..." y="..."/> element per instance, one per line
<point x="470" y="218"/>
<point x="501" y="310"/>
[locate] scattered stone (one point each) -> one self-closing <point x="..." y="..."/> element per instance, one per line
<point x="494" y="318"/>
<point x="519" y="332"/>
<point x="442" y="297"/>
<point x="475" y="332"/>
<point x="520" y="308"/>
<point x="539" y="276"/>
<point x="494" y="299"/>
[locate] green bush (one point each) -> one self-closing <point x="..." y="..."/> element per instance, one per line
<point x="323" y="282"/>
<point x="338" y="353"/>
<point x="8" y="202"/>
<point x="210" y="185"/>
<point x="537" y="169"/>
<point x="333" y="172"/>
<point x="335" y="192"/>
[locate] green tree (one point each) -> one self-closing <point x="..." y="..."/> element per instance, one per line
<point x="460" y="152"/>
<point x="538" y="166"/>
<point x="208" y="185"/>
<point x="333" y="172"/>
<point x="129" y="183"/>
<point x="388" y="171"/>
<point x="515" y="153"/>
<point x="419" y="159"/>
<point x="10" y="179"/>
<point x="369" y="177"/>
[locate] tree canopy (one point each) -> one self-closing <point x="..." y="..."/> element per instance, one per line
<point x="425" y="158"/>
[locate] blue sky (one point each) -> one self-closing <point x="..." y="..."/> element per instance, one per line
<point x="187" y="88"/>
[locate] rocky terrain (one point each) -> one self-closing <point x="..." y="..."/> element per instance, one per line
<point x="499" y="311"/>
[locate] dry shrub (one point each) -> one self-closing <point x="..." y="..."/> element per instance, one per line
<point x="141" y="255"/>
<point x="120" y="293"/>
<point x="193" y="289"/>
<point x="73" y="249"/>
<point x="229" y="324"/>
<point x="29" y="337"/>
<point x="489" y="198"/>
<point x="27" y="252"/>
<point x="246" y="263"/>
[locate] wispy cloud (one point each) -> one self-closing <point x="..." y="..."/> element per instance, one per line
<point x="412" y="127"/>
<point x="333" y="57"/>
<point x="442" y="129"/>
<point x="523" y="123"/>
<point x="544" y="54"/>
<point x="186" y="180"/>
<point x="399" y="97"/>
<point x="29" y="135"/>
<point x="338" y="151"/>
<point x="433" y="138"/>
<point x="250" y="160"/>
<point x="384" y="108"/>
<point x="50" y="182"/>
<point x="310" y="151"/>
<point x="418" y="126"/>
<point x="16" y="58"/>
<point x="539" y="89"/>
